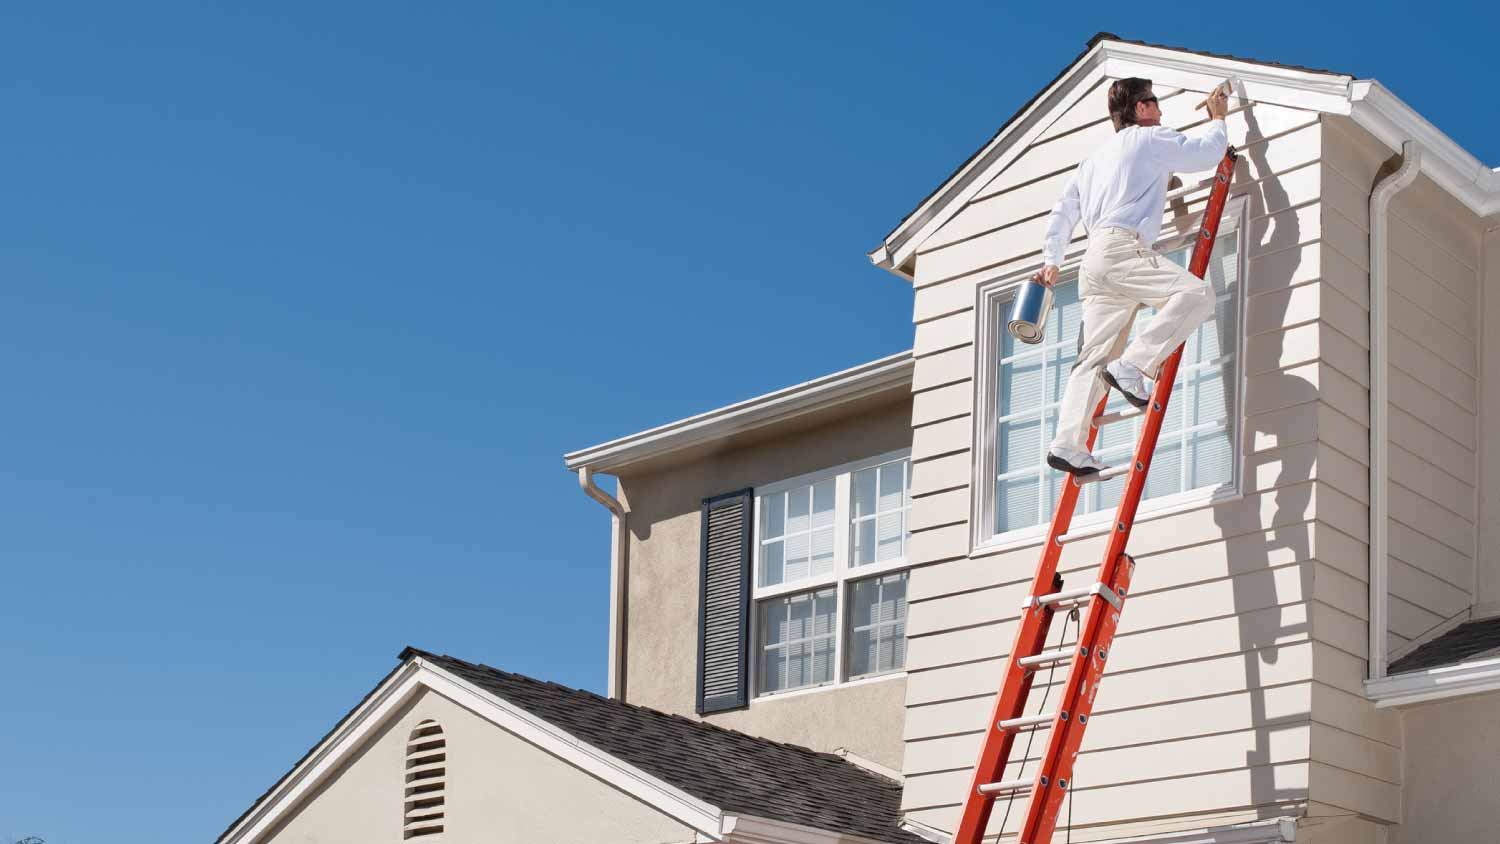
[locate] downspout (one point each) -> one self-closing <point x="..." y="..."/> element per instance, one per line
<point x="617" y="579"/>
<point x="1380" y="200"/>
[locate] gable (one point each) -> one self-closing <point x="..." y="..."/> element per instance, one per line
<point x="498" y="786"/>
<point x="1005" y="220"/>
<point x="1062" y="108"/>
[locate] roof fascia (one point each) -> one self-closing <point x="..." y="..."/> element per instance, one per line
<point x="1108" y="59"/>
<point x="1453" y="168"/>
<point x="418" y="674"/>
<point x="789" y="403"/>
<point x="1444" y="681"/>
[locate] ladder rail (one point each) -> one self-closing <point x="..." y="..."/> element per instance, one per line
<point x="1052" y="779"/>
<point x="1056" y="770"/>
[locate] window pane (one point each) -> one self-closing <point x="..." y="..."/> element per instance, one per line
<point x="822" y="551"/>
<point x="864" y="492"/>
<point x="1016" y="502"/>
<point x="797" y="510"/>
<point x="1020" y="444"/>
<point x="864" y="543"/>
<point x="822" y="511"/>
<point x="771" y="564"/>
<point x="772" y="515"/>
<point x="798" y="557"/>
<point x="892" y="488"/>
<point x="1021" y="385"/>
<point x="890" y="531"/>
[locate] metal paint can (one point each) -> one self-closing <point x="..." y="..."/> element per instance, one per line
<point x="1028" y="314"/>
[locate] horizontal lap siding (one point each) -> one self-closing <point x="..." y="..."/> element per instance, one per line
<point x="1208" y="703"/>
<point x="1433" y="379"/>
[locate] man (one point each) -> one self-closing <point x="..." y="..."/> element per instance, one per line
<point x="1119" y="192"/>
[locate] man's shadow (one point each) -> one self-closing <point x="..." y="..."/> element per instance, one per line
<point x="1252" y="546"/>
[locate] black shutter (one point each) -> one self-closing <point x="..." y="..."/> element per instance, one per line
<point x="724" y="603"/>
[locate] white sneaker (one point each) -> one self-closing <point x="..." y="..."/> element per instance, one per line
<point x="1130" y="381"/>
<point x="1074" y="461"/>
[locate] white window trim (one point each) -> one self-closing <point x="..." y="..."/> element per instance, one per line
<point x="840" y="578"/>
<point x="991" y="294"/>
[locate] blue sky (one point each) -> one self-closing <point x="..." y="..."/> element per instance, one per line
<point x="301" y="305"/>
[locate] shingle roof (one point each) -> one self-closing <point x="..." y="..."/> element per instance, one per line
<point x="739" y="773"/>
<point x="1471" y="640"/>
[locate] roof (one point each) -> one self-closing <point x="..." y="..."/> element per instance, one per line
<point x="853" y="387"/>
<point x="739" y="773"/>
<point x="1469" y="641"/>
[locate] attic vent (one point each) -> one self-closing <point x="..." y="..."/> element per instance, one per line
<point x="426" y="777"/>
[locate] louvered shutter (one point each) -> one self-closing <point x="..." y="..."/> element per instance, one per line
<point x="724" y="603"/>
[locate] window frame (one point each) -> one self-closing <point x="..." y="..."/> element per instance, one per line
<point x="993" y="296"/>
<point x="842" y="578"/>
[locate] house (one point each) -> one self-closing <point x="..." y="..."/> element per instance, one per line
<point x="812" y="590"/>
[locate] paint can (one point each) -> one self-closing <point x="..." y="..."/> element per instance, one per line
<point x="1028" y="314"/>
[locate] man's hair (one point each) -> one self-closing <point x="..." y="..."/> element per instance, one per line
<point x="1123" y="96"/>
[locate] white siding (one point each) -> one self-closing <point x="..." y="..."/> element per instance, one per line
<point x="1209" y="709"/>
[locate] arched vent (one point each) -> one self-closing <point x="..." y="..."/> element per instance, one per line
<point x="426" y="778"/>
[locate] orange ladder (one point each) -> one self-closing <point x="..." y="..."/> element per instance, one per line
<point x="1103" y="601"/>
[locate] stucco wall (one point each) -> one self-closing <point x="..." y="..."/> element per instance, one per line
<point x="662" y="609"/>
<point x="499" y="788"/>
<point x="1452" y="763"/>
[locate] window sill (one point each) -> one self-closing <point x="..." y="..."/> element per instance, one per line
<point x="1097" y="524"/>
<point x="828" y="687"/>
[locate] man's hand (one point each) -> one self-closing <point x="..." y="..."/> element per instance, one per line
<point x="1218" y="103"/>
<point x="1046" y="276"/>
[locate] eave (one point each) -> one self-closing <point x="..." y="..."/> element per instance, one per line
<point x="885" y="375"/>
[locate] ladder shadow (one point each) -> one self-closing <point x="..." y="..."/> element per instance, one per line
<point x="1287" y="538"/>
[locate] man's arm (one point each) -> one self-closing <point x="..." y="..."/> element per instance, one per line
<point x="1060" y="225"/>
<point x="1181" y="153"/>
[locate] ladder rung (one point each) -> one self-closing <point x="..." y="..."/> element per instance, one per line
<point x="1047" y="657"/>
<point x="1028" y="721"/>
<point x="1104" y="475"/>
<point x="1069" y="597"/>
<point x="1118" y="416"/>
<point x="1084" y="533"/>
<point x="1005" y="786"/>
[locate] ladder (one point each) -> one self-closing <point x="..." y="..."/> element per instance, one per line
<point x="1102" y="601"/>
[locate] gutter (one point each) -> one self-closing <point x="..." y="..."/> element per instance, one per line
<point x="1380" y="200"/>
<point x="618" y="546"/>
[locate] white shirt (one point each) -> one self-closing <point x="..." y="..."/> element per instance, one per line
<point x="1124" y="182"/>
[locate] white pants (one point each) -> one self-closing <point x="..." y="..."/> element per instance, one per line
<point x="1119" y="274"/>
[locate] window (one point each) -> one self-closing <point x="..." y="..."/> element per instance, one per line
<point x="1196" y="455"/>
<point x="831" y="546"/>
<point x="426" y="779"/>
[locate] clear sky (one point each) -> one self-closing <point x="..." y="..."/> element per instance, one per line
<point x="302" y="303"/>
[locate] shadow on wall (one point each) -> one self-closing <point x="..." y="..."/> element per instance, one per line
<point x="1252" y="554"/>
